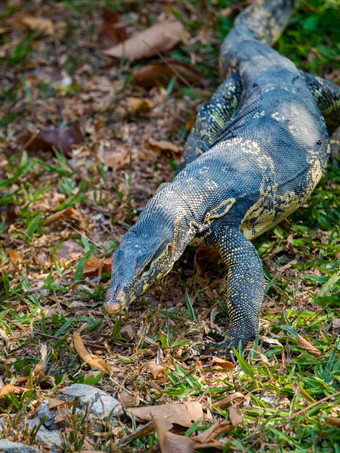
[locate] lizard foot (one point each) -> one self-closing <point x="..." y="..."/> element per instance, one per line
<point x="231" y="340"/>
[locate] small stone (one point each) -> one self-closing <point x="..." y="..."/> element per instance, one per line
<point x="45" y="436"/>
<point x="128" y="332"/>
<point x="15" y="447"/>
<point x="50" y="422"/>
<point x="336" y="325"/>
<point x="99" y="402"/>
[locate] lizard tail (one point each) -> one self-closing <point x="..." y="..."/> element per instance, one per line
<point x="263" y="20"/>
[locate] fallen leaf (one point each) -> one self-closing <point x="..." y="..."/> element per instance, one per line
<point x="69" y="250"/>
<point x="208" y="439"/>
<point x="183" y="414"/>
<point x="235" y="415"/>
<point x="150" y="42"/>
<point x="157" y="371"/>
<point x="205" y="258"/>
<point x="63" y="138"/>
<point x="14" y="259"/>
<point x="162" y="72"/>
<point x="92" y="360"/>
<point x="229" y="400"/>
<point x="333" y="421"/>
<point x="163" y="146"/>
<point x="304" y="344"/>
<point x="170" y="442"/>
<point x="224" y="364"/>
<point x="26" y="21"/>
<point x="113" y="158"/>
<point x="94" y="267"/>
<point x="38" y="371"/>
<point x="137" y="105"/>
<point x="111" y="31"/>
<point x="190" y="124"/>
<point x="62" y="215"/>
<point x="55" y="403"/>
<point x="9" y="388"/>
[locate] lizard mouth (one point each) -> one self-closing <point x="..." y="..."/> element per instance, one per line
<point x="115" y="303"/>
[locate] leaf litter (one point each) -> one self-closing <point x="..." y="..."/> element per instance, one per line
<point x="102" y="132"/>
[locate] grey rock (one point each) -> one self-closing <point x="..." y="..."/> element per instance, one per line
<point x="49" y="421"/>
<point x="15" y="447"/>
<point x="100" y="403"/>
<point x="45" y="436"/>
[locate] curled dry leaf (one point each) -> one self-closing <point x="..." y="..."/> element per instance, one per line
<point x="15" y="259"/>
<point x="157" y="371"/>
<point x="92" y="360"/>
<point x="156" y="39"/>
<point x="162" y="146"/>
<point x="183" y="414"/>
<point x="137" y="105"/>
<point x="208" y="439"/>
<point x="111" y="31"/>
<point x="162" y="72"/>
<point x="38" y="371"/>
<point x="97" y="266"/>
<point x="9" y="388"/>
<point x="62" y="215"/>
<point x="235" y="415"/>
<point x="170" y="442"/>
<point x="223" y="364"/>
<point x="63" y="138"/>
<point x="304" y="344"/>
<point x="230" y="399"/>
<point x="26" y="21"/>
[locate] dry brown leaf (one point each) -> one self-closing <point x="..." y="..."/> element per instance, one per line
<point x="26" y="21"/>
<point x="39" y="368"/>
<point x="69" y="250"/>
<point x="14" y="259"/>
<point x="92" y="360"/>
<point x="222" y="363"/>
<point x="162" y="146"/>
<point x="112" y="31"/>
<point x="190" y="124"/>
<point x="55" y="403"/>
<point x="205" y="258"/>
<point x="229" y="400"/>
<point x="333" y="421"/>
<point x="157" y="371"/>
<point x="137" y="105"/>
<point x="183" y="414"/>
<point x="62" y="215"/>
<point x="97" y="266"/>
<point x="162" y="72"/>
<point x="63" y="138"/>
<point x="169" y="442"/>
<point x="9" y="388"/>
<point x="113" y="158"/>
<point x="150" y="42"/>
<point x="235" y="415"/>
<point x="304" y="344"/>
<point x="208" y="437"/>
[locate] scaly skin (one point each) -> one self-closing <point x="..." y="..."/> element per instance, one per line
<point x="256" y="153"/>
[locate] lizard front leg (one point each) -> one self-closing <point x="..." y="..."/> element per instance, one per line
<point x="245" y="288"/>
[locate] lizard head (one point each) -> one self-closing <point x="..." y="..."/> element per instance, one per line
<point x="148" y="251"/>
